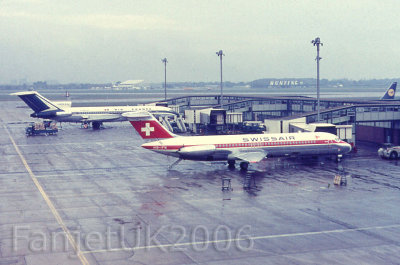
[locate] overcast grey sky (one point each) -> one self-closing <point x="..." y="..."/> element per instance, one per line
<point x="106" y="41"/>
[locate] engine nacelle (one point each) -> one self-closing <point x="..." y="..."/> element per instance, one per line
<point x="64" y="114"/>
<point x="198" y="150"/>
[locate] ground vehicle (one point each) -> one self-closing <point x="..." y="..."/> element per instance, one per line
<point x="389" y="151"/>
<point x="47" y="127"/>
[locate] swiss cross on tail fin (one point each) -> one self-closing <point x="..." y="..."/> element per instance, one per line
<point x="147" y="126"/>
<point x="147" y="129"/>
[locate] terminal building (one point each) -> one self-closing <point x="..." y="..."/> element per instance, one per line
<point x="376" y="121"/>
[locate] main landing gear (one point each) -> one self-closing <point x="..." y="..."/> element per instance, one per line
<point x="231" y="164"/>
<point x="243" y="165"/>
<point x="96" y="125"/>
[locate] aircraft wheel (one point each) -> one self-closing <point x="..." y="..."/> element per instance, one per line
<point x="231" y="164"/>
<point x="96" y="125"/>
<point x="244" y="165"/>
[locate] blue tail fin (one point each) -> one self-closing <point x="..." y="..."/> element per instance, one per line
<point x="390" y="92"/>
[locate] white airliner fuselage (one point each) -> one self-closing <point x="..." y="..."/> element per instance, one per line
<point x="92" y="114"/>
<point x="247" y="148"/>
<point x="229" y="146"/>
<point x="63" y="112"/>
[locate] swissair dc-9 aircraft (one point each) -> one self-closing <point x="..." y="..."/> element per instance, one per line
<point x="61" y="112"/>
<point x="245" y="148"/>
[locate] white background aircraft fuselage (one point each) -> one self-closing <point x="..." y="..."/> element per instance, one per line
<point x="63" y="112"/>
<point x="102" y="114"/>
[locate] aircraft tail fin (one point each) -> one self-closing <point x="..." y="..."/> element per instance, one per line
<point x="148" y="126"/>
<point x="390" y="92"/>
<point x="36" y="101"/>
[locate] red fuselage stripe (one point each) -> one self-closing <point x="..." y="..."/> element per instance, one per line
<point x="250" y="144"/>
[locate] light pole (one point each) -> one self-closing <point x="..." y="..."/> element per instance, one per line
<point x="220" y="54"/>
<point x="317" y="42"/>
<point x="165" y="77"/>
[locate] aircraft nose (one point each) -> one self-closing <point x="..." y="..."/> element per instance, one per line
<point x="346" y="147"/>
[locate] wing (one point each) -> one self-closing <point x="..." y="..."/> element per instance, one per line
<point x="103" y="117"/>
<point x="252" y="156"/>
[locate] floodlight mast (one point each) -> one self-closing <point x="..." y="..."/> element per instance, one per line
<point x="164" y="61"/>
<point x="220" y="53"/>
<point x="317" y="42"/>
